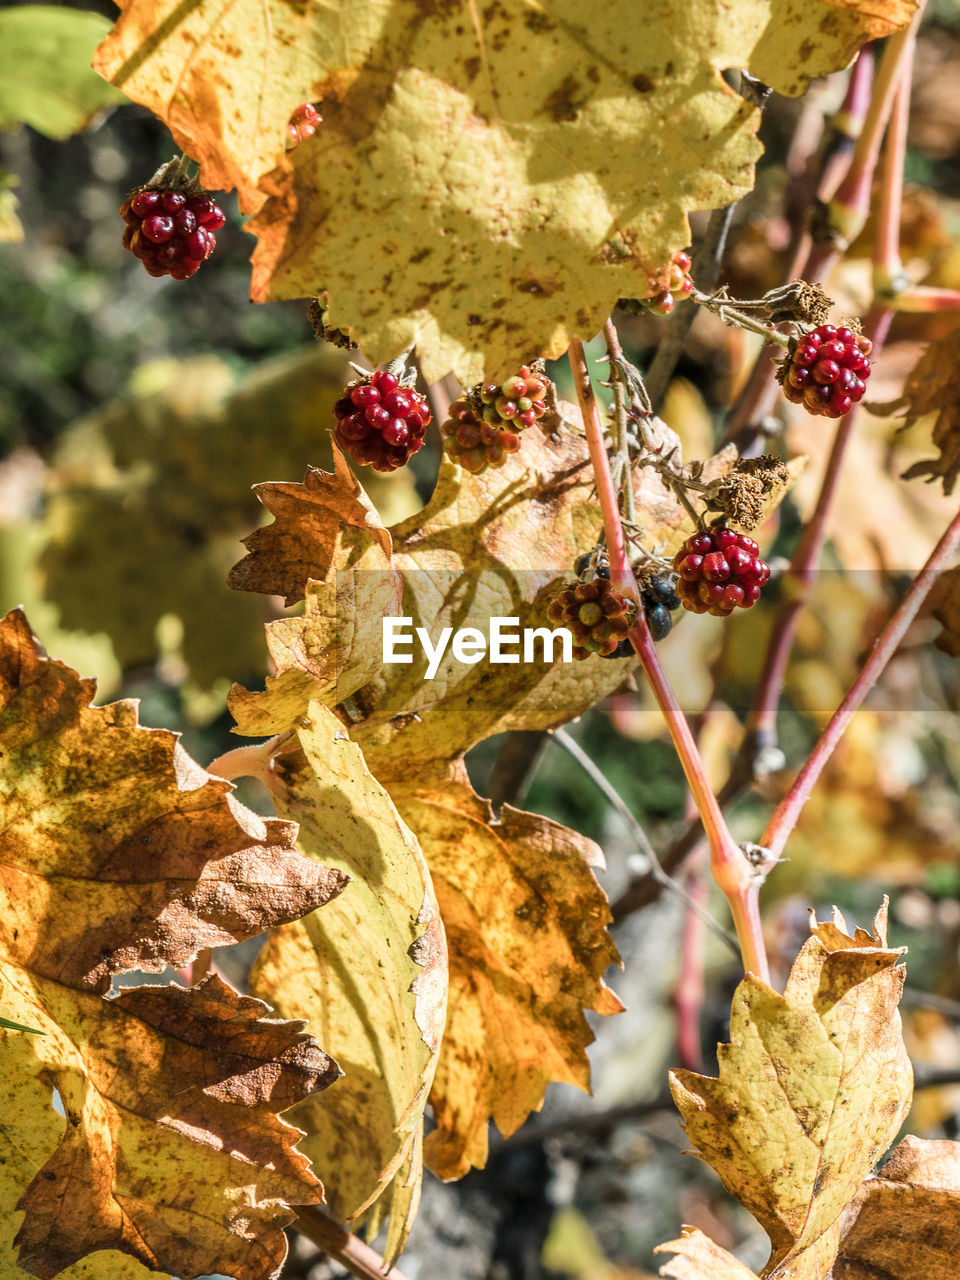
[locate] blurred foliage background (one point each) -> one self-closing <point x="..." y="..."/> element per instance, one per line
<point x="136" y="413"/>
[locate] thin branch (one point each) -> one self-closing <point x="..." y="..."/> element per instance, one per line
<point x="788" y="811"/>
<point x="616" y="801"/>
<point x="359" y="1259"/>
<point x="730" y="868"/>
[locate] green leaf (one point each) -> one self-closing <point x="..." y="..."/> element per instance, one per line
<point x="46" y="79"/>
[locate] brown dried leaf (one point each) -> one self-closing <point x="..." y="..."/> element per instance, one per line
<point x="944" y="603"/>
<point x="117" y="851"/>
<point x="697" y="1257"/>
<point x="934" y="387"/>
<point x="813" y="1086"/>
<point x="326" y="522"/>
<point x="171" y="1151"/>
<point x="525" y="920"/>
<point x="905" y="1224"/>
<point x="370" y="970"/>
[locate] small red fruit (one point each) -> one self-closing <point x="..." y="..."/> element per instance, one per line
<point x="597" y="615"/>
<point x="719" y="571"/>
<point x="379" y="423"/>
<point x="170" y="229"/>
<point x="826" y="370"/>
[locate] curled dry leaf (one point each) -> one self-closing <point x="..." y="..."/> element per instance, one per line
<point x="905" y="1223"/>
<point x="538" y="142"/>
<point x="526" y="923"/>
<point x="119" y="852"/>
<point x="369" y="972"/>
<point x="944" y="603"/>
<point x="697" y="1257"/>
<point x="171" y="1150"/>
<point x="934" y="388"/>
<point x="812" y="1088"/>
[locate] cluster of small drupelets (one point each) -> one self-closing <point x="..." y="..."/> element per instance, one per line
<point x="719" y="571"/>
<point x="303" y="124"/>
<point x="666" y="287"/>
<point x="597" y="616"/>
<point x="171" y="229"/>
<point x="485" y="423"/>
<point x="380" y="422"/>
<point x="826" y="370"/>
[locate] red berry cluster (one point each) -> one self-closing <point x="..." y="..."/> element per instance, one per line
<point x="484" y="426"/>
<point x="719" y="571"/>
<point x="303" y="124"/>
<point x="597" y="616"/>
<point x="171" y="231"/>
<point x="827" y="370"/>
<point x="381" y="423"/>
<point x="665" y="287"/>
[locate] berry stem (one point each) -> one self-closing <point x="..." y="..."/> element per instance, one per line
<point x="730" y="311"/>
<point x="730" y="868"/>
<point x="788" y="811"/>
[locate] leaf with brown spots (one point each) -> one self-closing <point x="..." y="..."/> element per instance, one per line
<point x="368" y="972"/>
<point x="905" y="1223"/>
<point x="171" y="1151"/>
<point x="118" y="852"/>
<point x="526" y="923"/>
<point x="812" y="1089"/>
<point x="488" y="179"/>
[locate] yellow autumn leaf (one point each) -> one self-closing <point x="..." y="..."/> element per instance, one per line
<point x="118" y="852"/>
<point x="170" y="1151"/>
<point x="369" y="974"/>
<point x="485" y="184"/>
<point x="905" y="1223"/>
<point x="525" y="919"/>
<point x="812" y="1088"/>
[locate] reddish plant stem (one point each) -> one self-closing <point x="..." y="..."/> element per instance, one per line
<point x="689" y="990"/>
<point x="848" y="211"/>
<point x="788" y="811"/>
<point x="358" y="1258"/>
<point x="887" y="264"/>
<point x="730" y="868"/>
<point x="925" y="298"/>
<point x="761" y="721"/>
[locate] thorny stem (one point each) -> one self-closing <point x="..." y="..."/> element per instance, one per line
<point x="730" y="868"/>
<point x="694" y="905"/>
<point x="887" y="264"/>
<point x="358" y="1258"/>
<point x="788" y="811"/>
<point x="732" y="314"/>
<point x="621" y="465"/>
